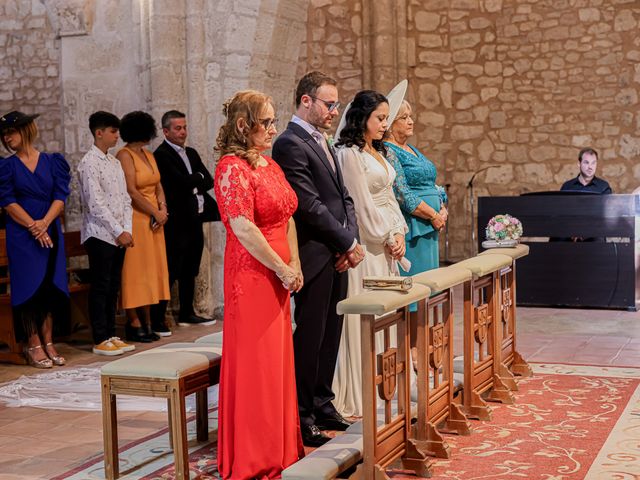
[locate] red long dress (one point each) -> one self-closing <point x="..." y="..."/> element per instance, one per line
<point x="259" y="427"/>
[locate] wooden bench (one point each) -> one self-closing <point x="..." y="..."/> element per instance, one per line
<point x="172" y="371"/>
<point x="78" y="298"/>
<point x="509" y="355"/>
<point x="437" y="411"/>
<point x="482" y="370"/>
<point x="386" y="379"/>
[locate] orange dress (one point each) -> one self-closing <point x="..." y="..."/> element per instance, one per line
<point x="145" y="276"/>
<point x="259" y="427"/>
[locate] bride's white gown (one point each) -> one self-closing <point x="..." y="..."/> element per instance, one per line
<point x="370" y="184"/>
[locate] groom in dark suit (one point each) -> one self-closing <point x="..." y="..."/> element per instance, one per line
<point x="185" y="181"/>
<point x="328" y="246"/>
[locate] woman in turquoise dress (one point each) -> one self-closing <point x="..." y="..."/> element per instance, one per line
<point x="422" y="202"/>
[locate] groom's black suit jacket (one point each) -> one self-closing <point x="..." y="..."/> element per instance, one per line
<point x="326" y="225"/>
<point x="325" y="218"/>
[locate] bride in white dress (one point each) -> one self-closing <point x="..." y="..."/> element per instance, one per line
<point x="369" y="179"/>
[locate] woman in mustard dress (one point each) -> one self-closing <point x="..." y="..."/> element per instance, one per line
<point x="145" y="277"/>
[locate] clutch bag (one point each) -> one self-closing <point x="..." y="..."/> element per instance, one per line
<point x="388" y="283"/>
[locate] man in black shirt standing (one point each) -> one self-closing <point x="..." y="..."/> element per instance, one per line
<point x="586" y="181"/>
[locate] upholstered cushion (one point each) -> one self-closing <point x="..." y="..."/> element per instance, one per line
<point x="458" y="364"/>
<point x="379" y="302"/>
<point x="357" y="426"/>
<point x="212" y="338"/>
<point x="170" y="361"/>
<point x="440" y="279"/>
<point x="485" y="264"/>
<point x="518" y="251"/>
<point x="329" y="460"/>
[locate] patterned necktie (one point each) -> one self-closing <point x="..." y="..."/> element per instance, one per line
<point x="318" y="137"/>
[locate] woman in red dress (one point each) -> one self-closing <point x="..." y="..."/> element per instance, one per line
<point x="259" y="428"/>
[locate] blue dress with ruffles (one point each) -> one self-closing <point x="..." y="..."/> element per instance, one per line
<point x="34" y="192"/>
<point x="415" y="183"/>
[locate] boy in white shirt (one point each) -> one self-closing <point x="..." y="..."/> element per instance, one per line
<point x="106" y="230"/>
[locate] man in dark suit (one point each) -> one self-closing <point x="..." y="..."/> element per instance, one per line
<point x="328" y="246"/>
<point x="185" y="181"/>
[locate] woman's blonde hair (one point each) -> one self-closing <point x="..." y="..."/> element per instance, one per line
<point x="248" y="105"/>
<point x="28" y="132"/>
<point x="404" y="108"/>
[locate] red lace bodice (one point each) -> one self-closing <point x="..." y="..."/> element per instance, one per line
<point x="261" y="195"/>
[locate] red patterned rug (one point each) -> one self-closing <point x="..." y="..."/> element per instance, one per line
<point x="568" y="422"/>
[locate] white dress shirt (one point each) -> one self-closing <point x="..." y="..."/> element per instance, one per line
<point x="183" y="155"/>
<point x="106" y="205"/>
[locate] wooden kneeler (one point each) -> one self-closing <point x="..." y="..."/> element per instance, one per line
<point x="509" y="355"/>
<point x="172" y="371"/>
<point x="482" y="370"/>
<point x="386" y="376"/>
<point x="437" y="411"/>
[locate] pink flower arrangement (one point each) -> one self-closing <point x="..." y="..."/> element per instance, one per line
<point x="503" y="227"/>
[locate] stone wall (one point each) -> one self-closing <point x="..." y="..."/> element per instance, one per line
<point x="521" y="85"/>
<point x="68" y="58"/>
<point x="29" y="67"/>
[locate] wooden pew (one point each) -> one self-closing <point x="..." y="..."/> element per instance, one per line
<point x="481" y="313"/>
<point x="437" y="411"/>
<point x="386" y="379"/>
<point x="78" y="298"/>
<point x="509" y="355"/>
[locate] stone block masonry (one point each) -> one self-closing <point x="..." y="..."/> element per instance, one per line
<point x="521" y="84"/>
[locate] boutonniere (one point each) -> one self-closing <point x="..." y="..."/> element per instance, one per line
<point x="329" y="139"/>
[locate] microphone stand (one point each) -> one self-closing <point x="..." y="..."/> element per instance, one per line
<point x="474" y="246"/>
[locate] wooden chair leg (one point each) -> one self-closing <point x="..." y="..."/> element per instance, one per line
<point x="110" y="431"/>
<point x="170" y="416"/>
<point x="202" y="415"/>
<point x="179" y="420"/>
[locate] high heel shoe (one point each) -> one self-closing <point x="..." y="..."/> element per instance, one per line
<point x="57" y="360"/>
<point x="44" y="363"/>
<point x="136" y="334"/>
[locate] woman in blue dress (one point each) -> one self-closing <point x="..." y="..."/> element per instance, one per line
<point x="33" y="188"/>
<point x="422" y="202"/>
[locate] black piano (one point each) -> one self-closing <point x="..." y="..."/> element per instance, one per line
<point x="583" y="250"/>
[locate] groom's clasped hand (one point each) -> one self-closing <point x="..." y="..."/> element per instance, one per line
<point x="350" y="259"/>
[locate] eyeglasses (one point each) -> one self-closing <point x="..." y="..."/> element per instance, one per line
<point x="267" y="123"/>
<point x="404" y="117"/>
<point x="331" y="106"/>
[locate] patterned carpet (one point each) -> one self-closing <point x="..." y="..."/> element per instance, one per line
<point x="568" y="422"/>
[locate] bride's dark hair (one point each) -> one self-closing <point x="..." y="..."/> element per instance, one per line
<point x="364" y="103"/>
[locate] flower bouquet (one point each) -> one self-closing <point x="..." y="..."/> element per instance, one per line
<point x="502" y="231"/>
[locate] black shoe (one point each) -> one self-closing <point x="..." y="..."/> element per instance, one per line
<point x="151" y="334"/>
<point x="332" y="421"/>
<point x="136" y="334"/>
<point x="161" y="328"/>
<point x="196" y="320"/>
<point x="313" y="437"/>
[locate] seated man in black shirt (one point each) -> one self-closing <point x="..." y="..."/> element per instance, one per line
<point x="586" y="181"/>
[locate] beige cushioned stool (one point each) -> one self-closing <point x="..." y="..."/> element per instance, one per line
<point x="327" y="461"/>
<point x="516" y="252"/>
<point x="485" y="264"/>
<point x="212" y="339"/>
<point x="440" y="279"/>
<point x="171" y="371"/>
